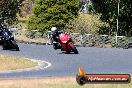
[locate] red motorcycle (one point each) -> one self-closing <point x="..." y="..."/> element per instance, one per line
<point x="66" y="43"/>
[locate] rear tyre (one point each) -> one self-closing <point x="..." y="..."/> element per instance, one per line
<point x="67" y="52"/>
<point x="74" y="49"/>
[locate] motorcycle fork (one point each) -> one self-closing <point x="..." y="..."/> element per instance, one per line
<point x="69" y="44"/>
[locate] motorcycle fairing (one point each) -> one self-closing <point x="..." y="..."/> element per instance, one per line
<point x="64" y="41"/>
<point x="64" y="37"/>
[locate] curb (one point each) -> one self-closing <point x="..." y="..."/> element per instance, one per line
<point x="25" y="42"/>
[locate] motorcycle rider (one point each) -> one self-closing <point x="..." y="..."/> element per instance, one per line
<point x="55" y="35"/>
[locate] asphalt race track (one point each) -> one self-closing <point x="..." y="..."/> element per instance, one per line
<point x="93" y="60"/>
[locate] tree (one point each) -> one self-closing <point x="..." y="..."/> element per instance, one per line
<point x="85" y="23"/>
<point x="8" y="11"/>
<point x="108" y="10"/>
<point x="26" y="8"/>
<point x="48" y="13"/>
<point x="125" y="18"/>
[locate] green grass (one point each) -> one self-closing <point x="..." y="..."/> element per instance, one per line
<point x="13" y="63"/>
<point x="53" y="82"/>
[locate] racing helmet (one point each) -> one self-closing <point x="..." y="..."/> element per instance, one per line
<point x="54" y="30"/>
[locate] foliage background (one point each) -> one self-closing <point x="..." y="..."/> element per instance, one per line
<point x="85" y="23"/>
<point x="48" y="13"/>
<point x="109" y="13"/>
<point x="9" y="10"/>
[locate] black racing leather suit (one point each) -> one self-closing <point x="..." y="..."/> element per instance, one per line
<point x="55" y="36"/>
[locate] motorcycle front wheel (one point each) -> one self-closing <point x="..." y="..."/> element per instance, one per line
<point x="14" y="45"/>
<point x="74" y="49"/>
<point x="4" y="47"/>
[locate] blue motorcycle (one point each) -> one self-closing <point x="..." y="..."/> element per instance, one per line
<point x="8" y="41"/>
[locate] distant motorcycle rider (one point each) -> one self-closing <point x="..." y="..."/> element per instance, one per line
<point x="55" y="35"/>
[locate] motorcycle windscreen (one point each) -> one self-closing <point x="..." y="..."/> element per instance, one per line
<point x="64" y="37"/>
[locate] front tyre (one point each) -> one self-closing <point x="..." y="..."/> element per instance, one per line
<point x="4" y="47"/>
<point x="74" y="49"/>
<point x="15" y="46"/>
